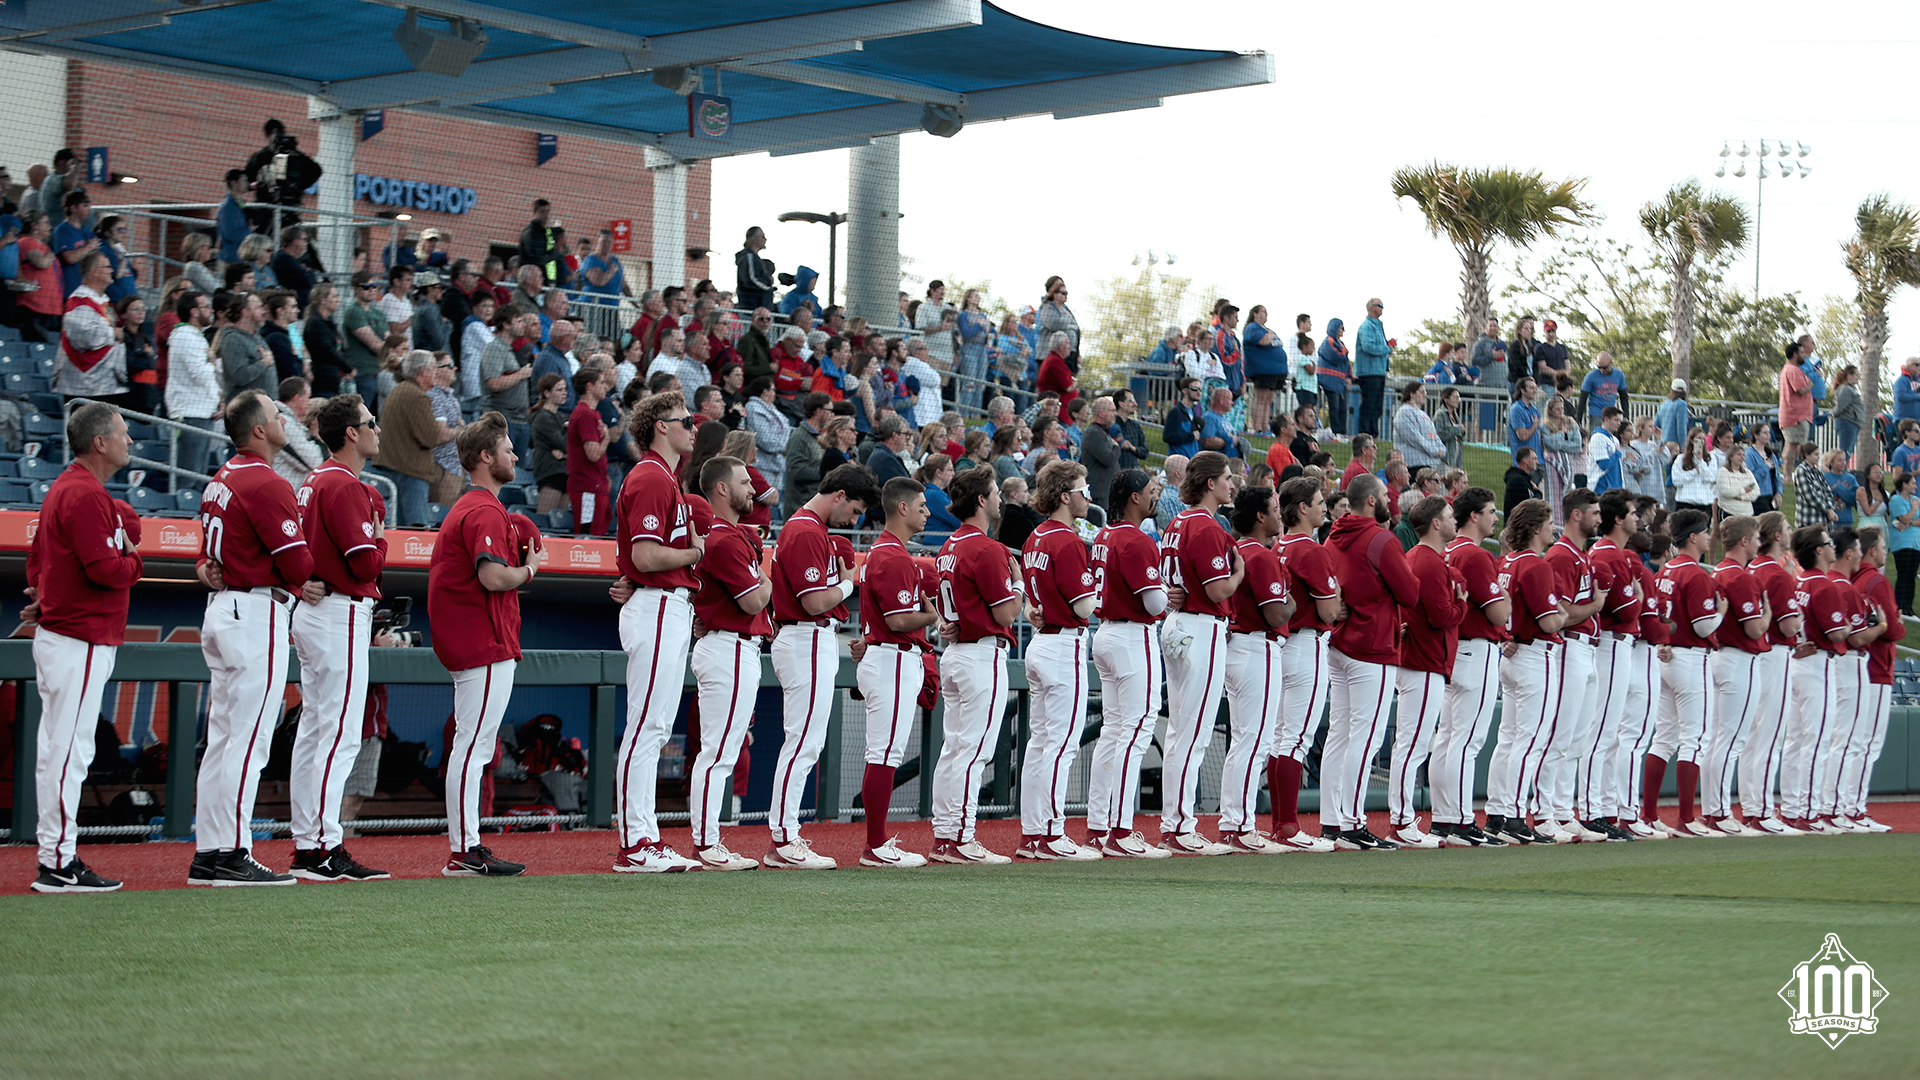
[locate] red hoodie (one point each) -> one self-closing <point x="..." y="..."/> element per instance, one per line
<point x="1376" y="582"/>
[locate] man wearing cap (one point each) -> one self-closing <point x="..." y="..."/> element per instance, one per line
<point x="431" y="331"/>
<point x="1549" y="355"/>
<point x="366" y="334"/>
<point x="1906" y="391"/>
<point x="1674" y="416"/>
<point x="1605" y="385"/>
<point x="1796" y="398"/>
<point x="288" y="268"/>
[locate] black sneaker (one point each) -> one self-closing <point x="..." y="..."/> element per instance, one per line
<point x="477" y="861"/>
<point x="349" y="870"/>
<point x="1538" y="836"/>
<point x="1495" y="825"/>
<point x="1613" y="833"/>
<point x="313" y="864"/>
<point x="202" y="870"/>
<point x="1365" y="838"/>
<point x="72" y="878"/>
<point x="238" y="867"/>
<point x="1474" y="836"/>
<point x="1443" y="831"/>
<point x="1513" y="830"/>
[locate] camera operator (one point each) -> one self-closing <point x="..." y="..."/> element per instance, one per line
<point x="280" y="174"/>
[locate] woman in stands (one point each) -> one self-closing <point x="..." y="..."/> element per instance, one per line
<point x="549" y="442"/>
<point x="198" y="251"/>
<point x="143" y="381"/>
<point x="837" y="439"/>
<point x="40" y="307"/>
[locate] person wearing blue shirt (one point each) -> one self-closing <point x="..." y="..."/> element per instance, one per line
<point x="230" y="223"/>
<point x="1335" y="373"/>
<point x="1603" y="387"/>
<point x="1674" y="416"/>
<point x="1903" y="539"/>
<point x="601" y="274"/>
<point x="1603" y="449"/>
<point x="1214" y="426"/>
<point x="1372" y="353"/>
<point x="940" y="519"/>
<point x="1906" y="391"/>
<point x="1184" y="420"/>
<point x="1266" y="363"/>
<point x="1765" y="467"/>
<point x="1523" y="420"/>
<point x="112" y="233"/>
<point x="72" y="241"/>
<point x="1907" y="454"/>
<point x="802" y="292"/>
<point x="1844" y="486"/>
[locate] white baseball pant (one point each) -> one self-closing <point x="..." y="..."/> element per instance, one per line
<point x="1057" y="675"/>
<point x="890" y="677"/>
<point x="1612" y="664"/>
<point x="1849" y="679"/>
<point x="1529" y="684"/>
<point x="1254" y="686"/>
<point x="1863" y="749"/>
<point x="1422" y="698"/>
<point x="726" y="676"/>
<point x="1636" y="728"/>
<point x="72" y="675"/>
<point x="805" y="659"/>
<point x="973" y="680"/>
<point x="1806" y="737"/>
<point x="656" y="630"/>
<point x="1195" y="683"/>
<point x="1760" y="763"/>
<point x="1465" y="711"/>
<point x="480" y="696"/>
<point x="1305" y="677"/>
<point x="1570" y="732"/>
<point x="244" y="639"/>
<point x="1685" y="721"/>
<point x="1736" y="680"/>
<point x="1358" y="694"/>
<point x="331" y="637"/>
<point x="1127" y="658"/>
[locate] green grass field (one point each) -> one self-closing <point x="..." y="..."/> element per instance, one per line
<point x="1642" y="960"/>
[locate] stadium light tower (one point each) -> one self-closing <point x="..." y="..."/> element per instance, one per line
<point x="1790" y="161"/>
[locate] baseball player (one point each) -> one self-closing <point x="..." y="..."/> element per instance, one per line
<point x="1616" y="571"/>
<point x="479" y="564"/>
<point x="587" y="439"/>
<point x="1570" y="728"/>
<point x="1256" y="634"/>
<point x="254" y="555"/>
<point x="1315" y="587"/>
<point x="731" y="602"/>
<point x="1825" y="624"/>
<point x="1202" y="569"/>
<point x="1643" y="690"/>
<point x="895" y="611"/>
<point x="807" y="586"/>
<point x="1760" y="762"/>
<point x="342" y="519"/>
<point x="1428" y="643"/>
<point x="81" y="563"/>
<point x="1060" y="595"/>
<point x="1132" y="597"/>
<point x="1378" y="583"/>
<point x="1737" y="668"/>
<point x="1529" y="675"/>
<point x="1467" y="705"/>
<point x="1869" y="736"/>
<point x="980" y="600"/>
<point x="659" y="546"/>
<point x="1694" y="607"/>
<point x="1867" y="625"/>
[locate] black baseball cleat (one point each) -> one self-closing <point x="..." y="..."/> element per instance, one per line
<point x="312" y="864"/>
<point x="1613" y="833"/>
<point x="238" y="867"/>
<point x="72" y="878"/>
<point x="1538" y="836"/>
<point x="350" y="869"/>
<point x="1513" y="830"/>
<point x="1362" y="840"/>
<point x="202" y="870"/>
<point x="1478" y="838"/>
<point x="477" y="861"/>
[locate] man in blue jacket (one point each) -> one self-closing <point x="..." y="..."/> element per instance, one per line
<point x="802" y="291"/>
<point x="1372" y="351"/>
<point x="1906" y="392"/>
<point x="1185" y="420"/>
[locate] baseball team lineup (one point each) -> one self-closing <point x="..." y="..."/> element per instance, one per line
<point x="1615" y="659"/>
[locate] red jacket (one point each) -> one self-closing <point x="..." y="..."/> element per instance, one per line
<point x="1376" y="582"/>
<point x="1056" y="378"/>
<point x="792" y="376"/>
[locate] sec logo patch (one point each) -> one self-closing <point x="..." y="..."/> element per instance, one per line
<point x="367" y="527"/>
<point x="1153" y="573"/>
<point x="1219" y="562"/>
<point x="650" y="522"/>
<point x="1274" y="588"/>
<point x="1746" y="608"/>
<point x="813" y="573"/>
<point x="905" y="596"/>
<point x="289" y="528"/>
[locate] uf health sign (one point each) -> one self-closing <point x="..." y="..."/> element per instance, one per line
<point x="416" y="194"/>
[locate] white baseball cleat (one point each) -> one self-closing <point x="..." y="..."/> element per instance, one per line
<point x="889" y="855"/>
<point x="652" y="859"/>
<point x="1733" y="826"/>
<point x="717" y="857"/>
<point x="1251" y="842"/>
<point x="1578" y="833"/>
<point x="1305" y="841"/>
<point x="796" y="854"/>
<point x="1643" y="831"/>
<point x="1553" y="831"/>
<point x="1701" y="829"/>
<point x="1866" y="822"/>
<point x="971" y="853"/>
<point x="1054" y="849"/>
<point x="1773" y="826"/>
<point x="1841" y="821"/>
<point x="1826" y="827"/>
<point x="1132" y="846"/>
<point x="1412" y="837"/>
<point x="1191" y="843"/>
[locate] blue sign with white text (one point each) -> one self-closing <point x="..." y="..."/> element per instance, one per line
<point x="547" y="147"/>
<point x="416" y="194"/>
<point x="371" y="123"/>
<point x="97" y="170"/>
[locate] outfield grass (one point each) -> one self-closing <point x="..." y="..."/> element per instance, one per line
<point x="1639" y="960"/>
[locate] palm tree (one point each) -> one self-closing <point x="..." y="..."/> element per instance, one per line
<point x="1688" y="223"/>
<point x="1883" y="256"/>
<point x="1477" y="208"/>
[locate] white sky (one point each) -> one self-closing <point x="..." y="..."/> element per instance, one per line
<point x="1279" y="193"/>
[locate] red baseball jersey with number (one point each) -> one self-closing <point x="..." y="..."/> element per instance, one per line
<point x="1310" y="577"/>
<point x="1526" y="577"/>
<point x="652" y="507"/>
<point x="1476" y="567"/>
<point x="803" y="563"/>
<point x="974" y="576"/>
<point x="1056" y="573"/>
<point x="1783" y="592"/>
<point x="1746" y="605"/>
<point x="473" y="625"/>
<point x="1873" y="587"/>
<point x="1617" y="570"/>
<point x="1195" y="552"/>
<point x="890" y="584"/>
<point x="339" y="516"/>
<point x="1432" y="632"/>
<point x="1573" y="579"/>
<point x="583" y="427"/>
<point x="83" y="560"/>
<point x="1265" y="584"/>
<point x="1823" y="609"/>
<point x="1856" y="605"/>
<point x="1126" y="563"/>
<point x="730" y="570"/>
<point x="250" y="525"/>
<point x="1686" y="592"/>
<point x="1653" y="623"/>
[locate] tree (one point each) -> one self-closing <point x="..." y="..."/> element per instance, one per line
<point x="1883" y="256"/>
<point x="1478" y="208"/>
<point x="1128" y="317"/>
<point x="1687" y="224"/>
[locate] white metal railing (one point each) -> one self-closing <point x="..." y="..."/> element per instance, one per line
<point x="169" y="220"/>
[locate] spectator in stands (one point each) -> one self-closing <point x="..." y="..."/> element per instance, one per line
<point x="792" y="375"/>
<point x="303" y="453"/>
<point x="1906" y="391"/>
<point x="397" y="303"/>
<point x="474" y="335"/>
<point x="755" y="348"/>
<point x="237" y="278"/>
<point x="1054" y="317"/>
<point x="432" y="255"/>
<point x="1796" y="397"/>
<point x="601" y="276"/>
<point x="555" y="358"/>
<point x="198" y="252"/>
<point x="587" y="440"/>
<point x="1266" y="368"/>
<point x="30" y="199"/>
<point x="673" y="357"/>
<point x="230" y="221"/>
<point x="1520" y="479"/>
<point x="1280" y="453"/>
<point x="771" y="434"/>
<point x="74" y="241"/>
<point x="1018" y="518"/>
<point x="801" y="295"/>
<point x="1128" y="435"/>
<point x="753" y="274"/>
<point x="999" y="412"/>
<point x="505" y="372"/>
<point x="888" y="459"/>
<point x="92" y="361"/>
<point x="143" y="377"/>
<point x="430" y="328"/>
<point x="837" y="442"/>
<point x="246" y="363"/>
<point x="289" y="272"/>
<point x="1175" y="470"/>
<point x="1373" y="352"/>
<point x="1008" y="447"/>
<point x="326" y="349"/>
<point x="1849" y="410"/>
<point x="493" y="277"/>
<point x="542" y="242"/>
<point x="1216" y="431"/>
<point x="1098" y="452"/>
<point x="457" y="303"/>
<point x="804" y="451"/>
<point x="1057" y="376"/>
<point x="408" y="433"/>
<point x="1199" y="360"/>
<point x="1335" y="371"/>
<point x="673" y="316"/>
<point x="257" y="252"/>
<point x="193" y="384"/>
<point x="1523" y="420"/>
<point x="1450" y="424"/>
<point x="975" y="331"/>
<point x="1186" y="418"/>
<point x="1366" y="452"/>
<point x="549" y="443"/>
<point x="42" y="306"/>
<point x="1520" y="355"/>
<point x="1414" y="432"/>
<point x="446" y="409"/>
<point x="112" y="232"/>
<point x="281" y="310"/>
<point x="1603" y="386"/>
<point x="365" y="332"/>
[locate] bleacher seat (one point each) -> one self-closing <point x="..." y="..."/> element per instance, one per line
<point x="42" y="350"/>
<point x="514" y="495"/>
<point x="27" y="382"/>
<point x="523" y="476"/>
<point x="14" y="493"/>
<point x="9" y="334"/>
<point x="146" y="500"/>
<point x="560" y="521"/>
<point x="37" y="492"/>
<point x="188" y="500"/>
<point x="436" y="514"/>
<point x="43" y="428"/>
<point x="139" y="429"/>
<point x="117" y="490"/>
<point x="150" y="449"/>
<point x="17" y="362"/>
<point x="33" y="468"/>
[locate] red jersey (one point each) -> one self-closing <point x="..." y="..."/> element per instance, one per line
<point x="83" y="560"/>
<point x="1526" y="577"/>
<point x="1056" y="573"/>
<point x="1433" y="622"/>
<point x="1872" y="586"/>
<point x="730" y="570"/>
<point x="1686" y="592"/>
<point x="761" y="516"/>
<point x="1477" y="568"/>
<point x="337" y="512"/>
<point x="1126" y="563"/>
<point x="1196" y="552"/>
<point x="1746" y="604"/>
<point x="1266" y="583"/>
<point x="1653" y="627"/>
<point x="583" y="427"/>
<point x="1310" y="577"/>
<point x="1377" y="582"/>
<point x="1856" y="605"/>
<point x="1617" y="570"/>
<point x="803" y="562"/>
<point x="1573" y="580"/>
<point x="475" y="625"/>
<point x="842" y="555"/>
<point x="250" y="526"/>
<point x="652" y="507"/>
<point x="1354" y="468"/>
<point x="889" y="585"/>
<point x="974" y="576"/>
<point x="1823" y="608"/>
<point x="1783" y="592"/>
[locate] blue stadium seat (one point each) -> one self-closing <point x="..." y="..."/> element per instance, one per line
<point x="47" y="402"/>
<point x="560" y="521"/>
<point x="9" y="334"/>
<point x="151" y="450"/>
<point x="47" y="430"/>
<point x="14" y="360"/>
<point x="37" y="493"/>
<point x="514" y="495"/>
<point x="14" y="493"/>
<point x="436" y="514"/>
<point x="523" y="476"/>
<point x="139" y="429"/>
<point x="27" y="382"/>
<point x="42" y="350"/>
<point x="188" y="500"/>
<point x="148" y="501"/>
<point x="33" y="468"/>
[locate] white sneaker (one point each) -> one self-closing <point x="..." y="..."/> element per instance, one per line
<point x="1773" y="826"/>
<point x="1132" y="846"/>
<point x="971" y="853"/>
<point x="1733" y="826"/>
<point x="1551" y="830"/>
<point x="1412" y="837"/>
<point x="718" y="857"/>
<point x="1578" y="833"/>
<point x="1251" y="842"/>
<point x="652" y="859"/>
<point x="1841" y="821"/>
<point x="1701" y="829"/>
<point x="796" y="854"/>
<point x="1866" y="822"/>
<point x="889" y="855"/>
<point x="1665" y="829"/>
<point x="1826" y="827"/>
<point x="1643" y="831"/>
<point x="1068" y="851"/>
<point x="1305" y="841"/>
<point x="1192" y="843"/>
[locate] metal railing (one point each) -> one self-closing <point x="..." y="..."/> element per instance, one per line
<point x="169" y="224"/>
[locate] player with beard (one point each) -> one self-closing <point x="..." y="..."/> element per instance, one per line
<point x="1256" y="634"/>
<point x="1694" y="607"/>
<point x="1869" y="735"/>
<point x="1736" y="672"/>
<point x="1573" y="715"/>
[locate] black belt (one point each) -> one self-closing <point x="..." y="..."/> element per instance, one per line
<point x="278" y="595"/>
<point x="1579" y="635"/>
<point x="915" y="646"/>
<point x="805" y="622"/>
<point x="1051" y="629"/>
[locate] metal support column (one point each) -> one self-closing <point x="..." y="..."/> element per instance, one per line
<point x="183" y="738"/>
<point x="26" y="733"/>
<point x="669" y="177"/>
<point x="603" y="745"/>
<point x="873" y="233"/>
<point x="339" y="134"/>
